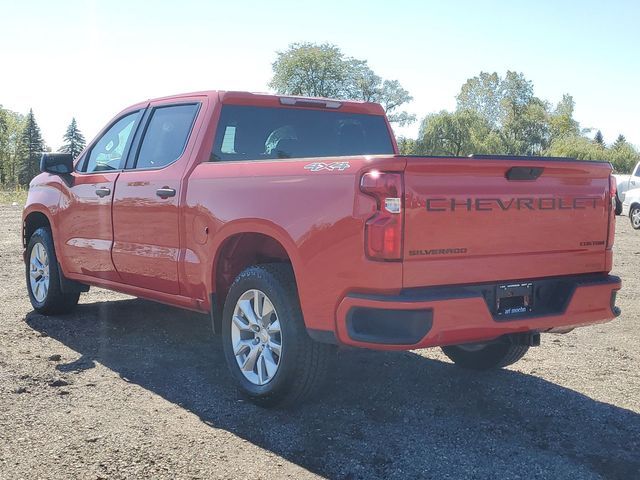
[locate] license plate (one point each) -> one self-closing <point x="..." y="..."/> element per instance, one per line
<point x="514" y="299"/>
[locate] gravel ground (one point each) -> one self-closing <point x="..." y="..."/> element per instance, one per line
<point x="126" y="388"/>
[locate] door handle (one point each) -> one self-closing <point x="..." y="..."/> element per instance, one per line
<point x="165" y="192"/>
<point x="103" y="191"/>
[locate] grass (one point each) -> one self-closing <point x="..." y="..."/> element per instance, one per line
<point x="10" y="195"/>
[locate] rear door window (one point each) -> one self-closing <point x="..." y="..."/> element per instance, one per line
<point x="166" y="135"/>
<point x="261" y="133"/>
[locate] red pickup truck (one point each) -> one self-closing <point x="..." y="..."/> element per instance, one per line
<point x="298" y="227"/>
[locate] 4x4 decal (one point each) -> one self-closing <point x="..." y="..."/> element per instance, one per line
<point x="319" y="166"/>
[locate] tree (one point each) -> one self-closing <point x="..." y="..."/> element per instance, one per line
<point x="407" y="146"/>
<point x="575" y="147"/>
<point x="599" y="138"/>
<point x="30" y="151"/>
<point x="482" y="94"/>
<point x="456" y="134"/>
<point x="492" y="96"/>
<point x="620" y="142"/>
<point x="74" y="141"/>
<point x="310" y="69"/>
<point x="525" y="127"/>
<point x="391" y="95"/>
<point x="623" y="157"/>
<point x="561" y="121"/>
<point x="324" y="71"/>
<point x="11" y="127"/>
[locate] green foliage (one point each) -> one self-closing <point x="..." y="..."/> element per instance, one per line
<point x="312" y="70"/>
<point x="576" y="147"/>
<point x="493" y="97"/>
<point x="623" y="158"/>
<point x="74" y="141"/>
<point x="519" y="122"/>
<point x="11" y="126"/>
<point x="561" y="121"/>
<point x="457" y="134"/>
<point x="620" y="142"/>
<point x="407" y="146"/>
<point x="30" y="150"/>
<point x="525" y="128"/>
<point x="502" y="116"/>
<point x="322" y="70"/>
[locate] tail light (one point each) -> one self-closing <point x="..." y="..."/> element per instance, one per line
<point x="383" y="231"/>
<point x="612" y="211"/>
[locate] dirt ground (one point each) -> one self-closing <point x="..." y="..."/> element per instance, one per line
<point x="126" y="388"/>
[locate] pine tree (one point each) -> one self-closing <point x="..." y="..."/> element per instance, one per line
<point x="74" y="141"/>
<point x="599" y="138"/>
<point x="31" y="149"/>
<point x="620" y="142"/>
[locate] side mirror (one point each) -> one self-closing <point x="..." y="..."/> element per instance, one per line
<point x="56" y="163"/>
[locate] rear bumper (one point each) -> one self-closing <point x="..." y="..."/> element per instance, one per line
<point x="427" y="317"/>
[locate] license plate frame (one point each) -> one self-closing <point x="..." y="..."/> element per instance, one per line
<point x="513" y="299"/>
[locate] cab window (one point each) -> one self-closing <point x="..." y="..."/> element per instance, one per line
<point x="108" y="151"/>
<point x="166" y="135"/>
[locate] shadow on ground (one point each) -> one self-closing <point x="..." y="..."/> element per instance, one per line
<point x="385" y="415"/>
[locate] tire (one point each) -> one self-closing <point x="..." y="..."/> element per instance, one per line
<point x="283" y="365"/>
<point x="618" y="205"/>
<point x="634" y="217"/>
<point x="45" y="292"/>
<point x="496" y="354"/>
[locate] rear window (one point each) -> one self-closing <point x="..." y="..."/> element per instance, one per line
<point x="261" y="133"/>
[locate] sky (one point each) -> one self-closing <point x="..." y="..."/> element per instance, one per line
<point x="89" y="59"/>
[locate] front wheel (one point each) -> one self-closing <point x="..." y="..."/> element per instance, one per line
<point x="485" y="356"/>
<point x="266" y="345"/>
<point x="634" y="216"/>
<point x="43" y="277"/>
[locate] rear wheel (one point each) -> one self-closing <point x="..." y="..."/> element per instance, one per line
<point x="485" y="356"/>
<point x="634" y="216"/>
<point x="266" y="345"/>
<point x="43" y="276"/>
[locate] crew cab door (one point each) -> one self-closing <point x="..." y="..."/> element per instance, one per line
<point x="147" y="197"/>
<point x="84" y="223"/>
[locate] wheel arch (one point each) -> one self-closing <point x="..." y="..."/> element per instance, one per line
<point x="32" y="220"/>
<point x="242" y="247"/>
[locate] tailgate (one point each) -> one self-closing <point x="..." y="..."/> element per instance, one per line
<point x="475" y="220"/>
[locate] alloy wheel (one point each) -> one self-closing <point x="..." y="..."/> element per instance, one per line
<point x="39" y="272"/>
<point x="635" y="218"/>
<point x="256" y="337"/>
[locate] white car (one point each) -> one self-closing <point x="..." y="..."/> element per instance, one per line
<point x="631" y="207"/>
<point x="625" y="184"/>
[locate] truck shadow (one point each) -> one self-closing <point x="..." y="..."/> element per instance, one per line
<point x="385" y="415"/>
